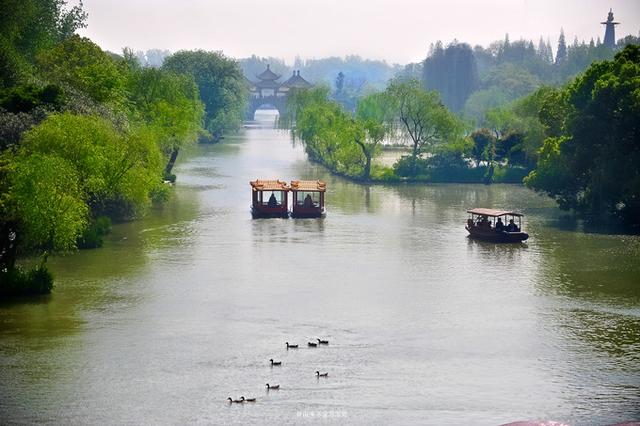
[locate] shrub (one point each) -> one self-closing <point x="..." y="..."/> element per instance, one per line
<point x="18" y="282"/>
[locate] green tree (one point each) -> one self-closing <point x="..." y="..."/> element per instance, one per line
<point x="421" y="117"/>
<point x="79" y="63"/>
<point x="47" y="201"/>
<point x="169" y="104"/>
<point x="452" y="72"/>
<point x="29" y="27"/>
<point x="483" y="143"/>
<point x="116" y="171"/>
<point x="561" y="53"/>
<point x="221" y="85"/>
<point x="593" y="166"/>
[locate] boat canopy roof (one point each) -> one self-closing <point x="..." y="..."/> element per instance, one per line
<point x="493" y="213"/>
<point x="308" y="185"/>
<point x="269" y="185"/>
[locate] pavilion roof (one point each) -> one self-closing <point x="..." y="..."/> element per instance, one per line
<point x="308" y="185"/>
<point x="295" y="81"/>
<point x="269" y="185"/>
<point x="493" y="212"/>
<point x="268" y="74"/>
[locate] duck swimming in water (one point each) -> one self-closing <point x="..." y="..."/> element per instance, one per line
<point x="275" y="362"/>
<point x="311" y="344"/>
<point x="319" y="374"/>
<point x="234" y="401"/>
<point x="270" y="387"/>
<point x="322" y="342"/>
<point x="291" y="346"/>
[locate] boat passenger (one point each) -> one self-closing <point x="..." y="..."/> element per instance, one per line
<point x="272" y="201"/>
<point x="512" y="227"/>
<point x="499" y="225"/>
<point x="308" y="202"/>
<point x="470" y="223"/>
<point x="484" y="223"/>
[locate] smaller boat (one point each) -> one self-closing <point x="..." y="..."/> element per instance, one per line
<point x="269" y="198"/>
<point x="488" y="225"/>
<point x="308" y="198"/>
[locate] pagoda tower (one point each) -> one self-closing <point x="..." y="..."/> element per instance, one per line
<point x="610" y="31"/>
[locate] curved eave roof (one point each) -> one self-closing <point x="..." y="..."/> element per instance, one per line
<point x="297" y="82"/>
<point x="269" y="185"/>
<point x="268" y="75"/>
<point x="308" y="185"/>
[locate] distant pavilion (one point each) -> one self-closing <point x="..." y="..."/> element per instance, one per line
<point x="268" y="92"/>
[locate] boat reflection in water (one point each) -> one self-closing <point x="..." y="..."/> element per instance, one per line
<point x="488" y="225"/>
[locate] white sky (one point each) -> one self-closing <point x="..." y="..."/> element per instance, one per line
<point x="398" y="31"/>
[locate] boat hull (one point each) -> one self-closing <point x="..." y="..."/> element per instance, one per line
<point x="497" y="237"/>
<point x="307" y="212"/>
<point x="268" y="213"/>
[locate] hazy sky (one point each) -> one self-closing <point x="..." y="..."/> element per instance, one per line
<point x="395" y="30"/>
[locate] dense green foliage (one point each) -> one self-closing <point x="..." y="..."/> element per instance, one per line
<point x="344" y="144"/>
<point x="28" y="28"/>
<point x="221" y="85"/>
<point x="590" y="160"/>
<point x="85" y="136"/>
<point x="20" y="282"/>
<point x="169" y="105"/>
<point x="80" y="63"/>
<point x="421" y="116"/>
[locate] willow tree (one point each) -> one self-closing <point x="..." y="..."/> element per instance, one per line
<point x="332" y="136"/>
<point x="421" y="117"/>
<point x="169" y="104"/>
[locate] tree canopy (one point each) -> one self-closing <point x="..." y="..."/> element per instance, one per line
<point x="221" y="86"/>
<point x="590" y="163"/>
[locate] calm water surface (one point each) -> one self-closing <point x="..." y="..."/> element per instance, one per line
<point x="185" y="307"/>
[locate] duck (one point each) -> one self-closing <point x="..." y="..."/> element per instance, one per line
<point x="313" y="345"/>
<point x="247" y="399"/>
<point x="322" y="342"/>
<point x="234" y="401"/>
<point x="291" y="346"/>
<point x="270" y="387"/>
<point x="318" y="374"/>
<point x="275" y="362"/>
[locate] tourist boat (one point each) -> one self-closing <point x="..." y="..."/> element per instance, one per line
<point x="482" y="225"/>
<point x="308" y="198"/>
<point x="269" y="198"/>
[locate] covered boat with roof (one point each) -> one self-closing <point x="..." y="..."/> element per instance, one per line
<point x="269" y="198"/>
<point x="488" y="225"/>
<point x="308" y="198"/>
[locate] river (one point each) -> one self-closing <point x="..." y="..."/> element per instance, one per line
<point x="185" y="307"/>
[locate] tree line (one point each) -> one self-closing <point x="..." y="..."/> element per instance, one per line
<point x="472" y="80"/>
<point x="88" y="136"/>
<point x="579" y="143"/>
